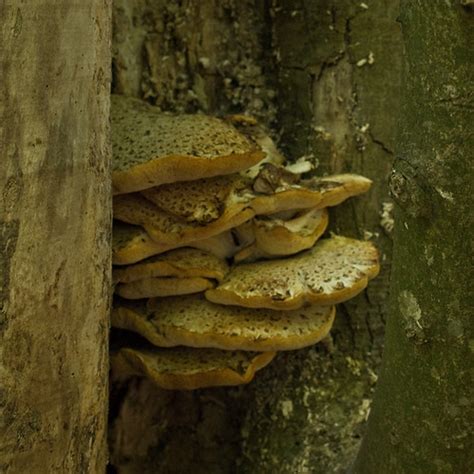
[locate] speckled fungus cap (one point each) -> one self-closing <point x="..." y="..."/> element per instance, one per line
<point x="276" y="237"/>
<point x="179" y="263"/>
<point x="195" y="322"/>
<point x="201" y="201"/>
<point x="334" y="270"/>
<point x="185" y="368"/>
<point x="167" y="229"/>
<point x="316" y="193"/>
<point x="152" y="148"/>
<point x="256" y="132"/>
<point x="244" y="234"/>
<point x="131" y="244"/>
<point x="221" y="245"/>
<point x="279" y="237"/>
<point x="272" y="177"/>
<point x="153" y="287"/>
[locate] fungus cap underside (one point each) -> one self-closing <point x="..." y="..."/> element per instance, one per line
<point x="166" y="229"/>
<point x="185" y="368"/>
<point x="180" y="263"/>
<point x="193" y="321"/>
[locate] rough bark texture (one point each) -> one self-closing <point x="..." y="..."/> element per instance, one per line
<point x="299" y="67"/>
<point x="55" y="216"/>
<point x="194" y="55"/>
<point x="423" y="414"/>
<point x="308" y="414"/>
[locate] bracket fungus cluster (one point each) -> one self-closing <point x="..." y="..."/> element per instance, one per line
<point x="218" y="262"/>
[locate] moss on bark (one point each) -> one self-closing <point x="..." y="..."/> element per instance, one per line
<point x="423" y="414"/>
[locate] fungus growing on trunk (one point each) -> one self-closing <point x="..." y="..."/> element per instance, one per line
<point x="315" y="193"/>
<point x="196" y="181"/>
<point x="153" y="287"/>
<point x="256" y="132"/>
<point x="195" y="322"/>
<point x="185" y="368"/>
<point x="180" y="263"/>
<point x="131" y="244"/>
<point x="333" y="271"/>
<point x="202" y="201"/>
<point x="273" y="177"/>
<point x="152" y="147"/>
<point x="178" y="272"/>
<point x="277" y="237"/>
<point x="167" y="229"/>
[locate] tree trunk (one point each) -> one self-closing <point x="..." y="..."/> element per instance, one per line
<point x="423" y="414"/>
<point x="294" y="65"/>
<point x="338" y="66"/>
<point x="55" y="216"/>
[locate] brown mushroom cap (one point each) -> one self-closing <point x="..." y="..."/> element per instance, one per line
<point x="257" y="133"/>
<point x="166" y="229"/>
<point x="180" y="263"/>
<point x="153" y="287"/>
<point x="152" y="148"/>
<point x="334" y="270"/>
<point x="131" y="244"/>
<point x="251" y="254"/>
<point x="316" y="193"/>
<point x="278" y="237"/>
<point x="244" y="235"/>
<point x="272" y="178"/>
<point x="195" y="322"/>
<point x="201" y="201"/>
<point x="221" y="245"/>
<point x="185" y="368"/>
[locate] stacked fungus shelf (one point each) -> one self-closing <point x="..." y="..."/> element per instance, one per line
<point x="218" y="261"/>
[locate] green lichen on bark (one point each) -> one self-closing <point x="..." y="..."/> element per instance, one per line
<point x="423" y="414"/>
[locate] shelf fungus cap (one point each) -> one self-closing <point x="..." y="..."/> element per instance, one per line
<point x="257" y="133"/>
<point x="272" y="177"/>
<point x="250" y="254"/>
<point x="179" y="263"/>
<point x="204" y="200"/>
<point x="333" y="271"/>
<point x="131" y="244"/>
<point x="195" y="322"/>
<point x="185" y="368"/>
<point x="151" y="147"/>
<point x="168" y="229"/>
<point x="276" y="237"/>
<point x="154" y="287"/>
<point x="315" y="193"/>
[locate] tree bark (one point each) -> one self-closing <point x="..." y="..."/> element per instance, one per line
<point x="423" y="414"/>
<point x="293" y="64"/>
<point x="338" y="66"/>
<point x="55" y="224"/>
